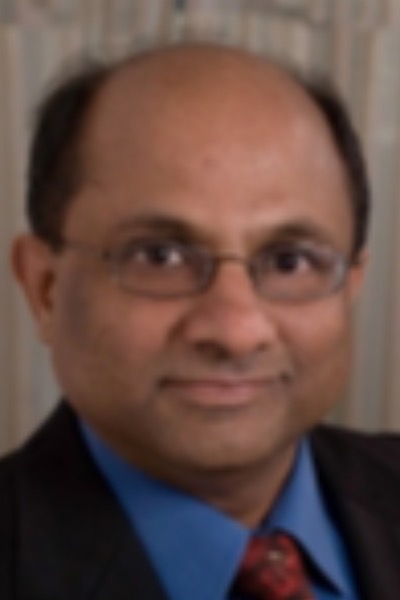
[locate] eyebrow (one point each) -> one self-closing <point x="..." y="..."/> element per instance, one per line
<point x="160" y="224"/>
<point x="298" y="229"/>
<point x="303" y="229"/>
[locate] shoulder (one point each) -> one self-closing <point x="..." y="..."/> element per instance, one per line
<point x="7" y="491"/>
<point x="34" y="480"/>
<point x="7" y="464"/>
<point x="8" y="522"/>
<point x="355" y="445"/>
<point x="361" y="467"/>
<point x="24" y="464"/>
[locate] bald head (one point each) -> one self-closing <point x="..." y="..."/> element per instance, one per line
<point x="216" y="88"/>
<point x="189" y="96"/>
<point x="200" y="71"/>
<point x="171" y="99"/>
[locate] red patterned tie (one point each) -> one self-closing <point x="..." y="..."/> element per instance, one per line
<point x="272" y="569"/>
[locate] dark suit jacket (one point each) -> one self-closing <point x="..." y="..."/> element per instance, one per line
<point x="64" y="537"/>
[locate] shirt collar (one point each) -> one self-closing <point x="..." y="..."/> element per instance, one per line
<point x="196" y="549"/>
<point x="301" y="511"/>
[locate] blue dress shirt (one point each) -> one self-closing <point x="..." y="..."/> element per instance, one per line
<point x="170" y="522"/>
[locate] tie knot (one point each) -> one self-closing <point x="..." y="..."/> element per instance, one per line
<point x="272" y="569"/>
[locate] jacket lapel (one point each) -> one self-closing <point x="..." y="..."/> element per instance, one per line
<point x="75" y="541"/>
<point x="374" y="546"/>
<point x="362" y="487"/>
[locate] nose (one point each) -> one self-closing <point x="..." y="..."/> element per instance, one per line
<point x="230" y="319"/>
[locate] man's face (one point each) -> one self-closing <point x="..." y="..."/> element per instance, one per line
<point x="224" y="379"/>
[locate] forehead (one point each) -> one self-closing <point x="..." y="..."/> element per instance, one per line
<point x="215" y="126"/>
<point x="192" y="97"/>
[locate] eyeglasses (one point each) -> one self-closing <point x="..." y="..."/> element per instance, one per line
<point x="287" y="272"/>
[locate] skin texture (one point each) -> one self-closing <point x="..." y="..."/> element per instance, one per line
<point x="210" y="392"/>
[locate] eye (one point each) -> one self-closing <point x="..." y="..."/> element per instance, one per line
<point x="292" y="259"/>
<point x="289" y="260"/>
<point x="153" y="253"/>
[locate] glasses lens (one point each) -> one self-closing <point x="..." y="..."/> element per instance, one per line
<point x="295" y="272"/>
<point x="161" y="267"/>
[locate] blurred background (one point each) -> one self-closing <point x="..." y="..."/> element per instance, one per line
<point x="356" y="43"/>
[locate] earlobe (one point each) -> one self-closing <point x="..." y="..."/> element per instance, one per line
<point x="33" y="266"/>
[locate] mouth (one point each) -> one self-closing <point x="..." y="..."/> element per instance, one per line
<point x="222" y="393"/>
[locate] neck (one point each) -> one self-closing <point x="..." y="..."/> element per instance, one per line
<point x="247" y="495"/>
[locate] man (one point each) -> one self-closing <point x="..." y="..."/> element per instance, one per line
<point x="198" y="243"/>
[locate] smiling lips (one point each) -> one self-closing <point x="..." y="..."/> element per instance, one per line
<point x="222" y="393"/>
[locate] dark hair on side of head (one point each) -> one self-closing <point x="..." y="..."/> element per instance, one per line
<point x="350" y="150"/>
<point x="55" y="167"/>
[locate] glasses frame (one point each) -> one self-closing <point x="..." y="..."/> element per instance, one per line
<point x="211" y="263"/>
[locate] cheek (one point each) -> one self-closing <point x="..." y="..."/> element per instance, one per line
<point x="106" y="338"/>
<point x="321" y="346"/>
<point x="323" y="330"/>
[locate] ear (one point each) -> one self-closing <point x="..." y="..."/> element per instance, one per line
<point x="357" y="275"/>
<point x="33" y="263"/>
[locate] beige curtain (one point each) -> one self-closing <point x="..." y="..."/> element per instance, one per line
<point x="355" y="42"/>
